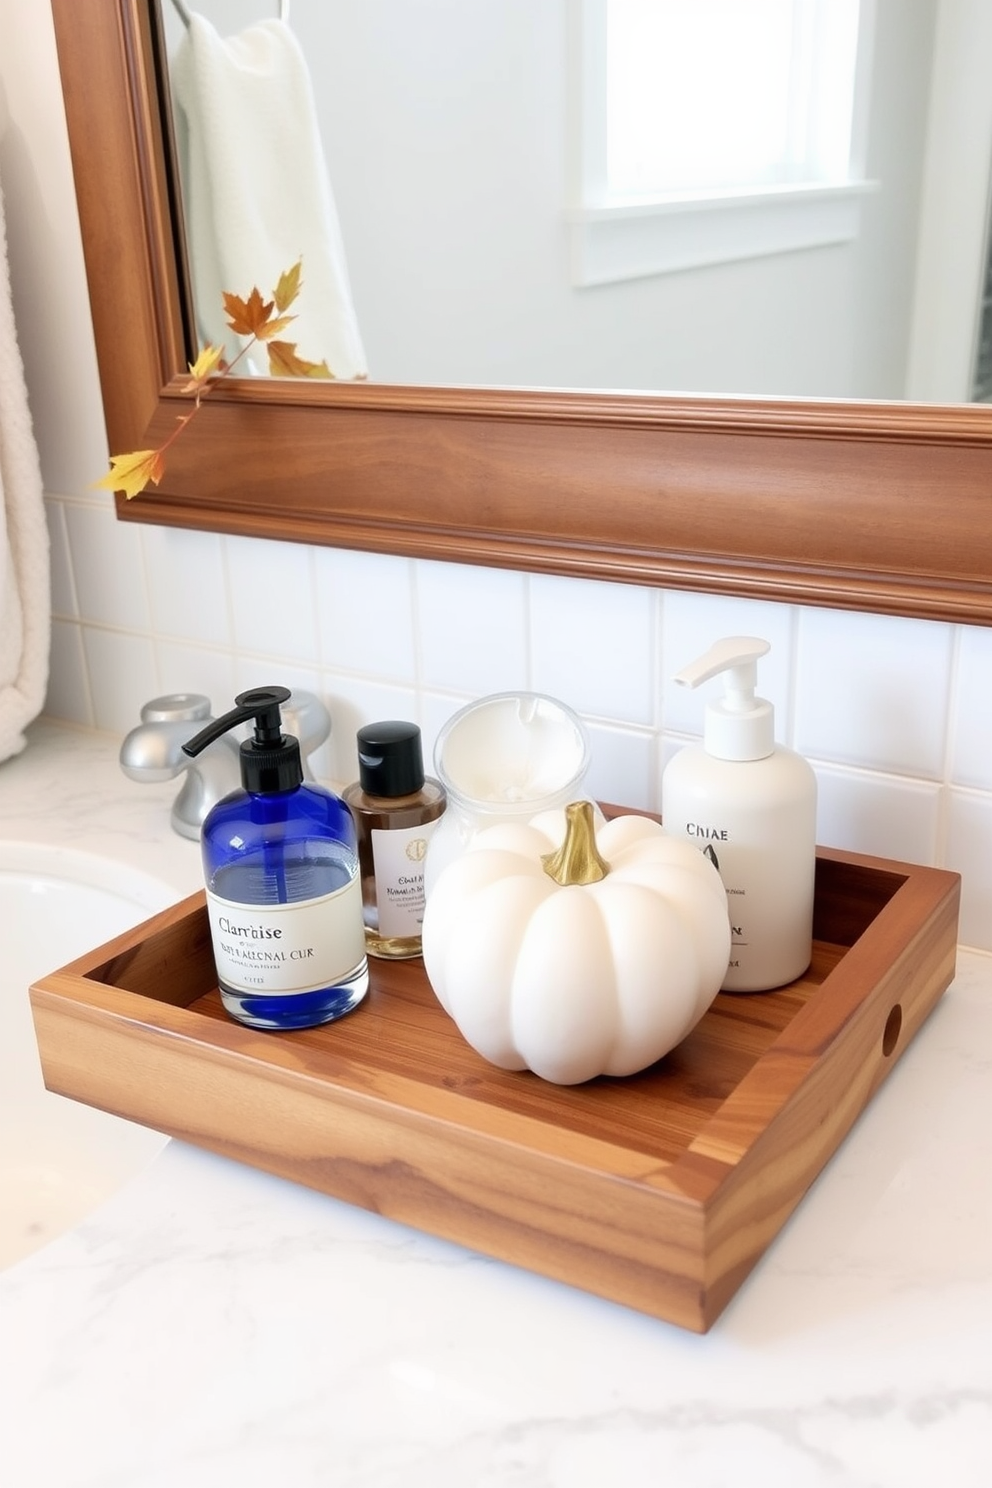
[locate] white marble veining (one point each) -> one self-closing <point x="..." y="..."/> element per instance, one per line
<point x="210" y="1325"/>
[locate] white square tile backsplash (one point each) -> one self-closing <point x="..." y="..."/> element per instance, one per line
<point x="63" y="588"/>
<point x="969" y="851"/>
<point x="116" y="665"/>
<point x="471" y="626"/>
<point x="271" y="594"/>
<point x="971" y="716"/>
<point x="624" y="761"/>
<point x="354" y="701"/>
<point x="884" y="815"/>
<point x="895" y="715"/>
<point x="359" y="635"/>
<point x="873" y="690"/>
<point x="184" y="667"/>
<point x="108" y="568"/>
<point x="196" y="609"/>
<point x="68" y="675"/>
<point x="593" y="646"/>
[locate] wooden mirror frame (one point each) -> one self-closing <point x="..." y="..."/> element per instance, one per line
<point x="870" y="506"/>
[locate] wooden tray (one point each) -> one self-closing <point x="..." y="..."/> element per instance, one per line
<point x="660" y="1191"/>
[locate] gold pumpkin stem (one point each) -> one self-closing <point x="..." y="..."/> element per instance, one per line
<point x="578" y="860"/>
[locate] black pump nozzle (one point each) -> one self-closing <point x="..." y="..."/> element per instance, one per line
<point x="270" y="762"/>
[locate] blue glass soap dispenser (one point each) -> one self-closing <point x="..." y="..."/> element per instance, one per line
<point x="284" y="897"/>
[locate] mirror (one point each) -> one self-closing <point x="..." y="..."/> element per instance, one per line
<point x="874" y="506"/>
<point x="449" y="135"/>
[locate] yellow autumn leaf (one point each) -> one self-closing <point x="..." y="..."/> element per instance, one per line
<point x="284" y="362"/>
<point x="274" y="327"/>
<point x="132" y="473"/>
<point x="203" y="368"/>
<point x="288" y="287"/>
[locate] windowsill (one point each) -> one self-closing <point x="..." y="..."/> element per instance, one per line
<point x="636" y="239"/>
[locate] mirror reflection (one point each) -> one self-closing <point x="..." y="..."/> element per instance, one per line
<point x="455" y="226"/>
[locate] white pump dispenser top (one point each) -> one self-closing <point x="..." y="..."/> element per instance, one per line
<point x="739" y="726"/>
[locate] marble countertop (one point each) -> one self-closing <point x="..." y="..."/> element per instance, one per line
<point x="213" y="1325"/>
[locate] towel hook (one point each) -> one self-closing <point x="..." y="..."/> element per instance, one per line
<point x="184" y="15"/>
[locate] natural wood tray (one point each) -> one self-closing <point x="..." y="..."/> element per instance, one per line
<point x="659" y="1191"/>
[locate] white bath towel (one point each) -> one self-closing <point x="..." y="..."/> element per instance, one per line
<point x="257" y="194"/>
<point x="25" y="605"/>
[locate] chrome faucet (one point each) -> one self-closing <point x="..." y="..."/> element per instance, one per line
<point x="153" y="751"/>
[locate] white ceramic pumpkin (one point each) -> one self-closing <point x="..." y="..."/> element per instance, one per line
<point x="597" y="958"/>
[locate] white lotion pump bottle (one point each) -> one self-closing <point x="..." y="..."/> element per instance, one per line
<point x="750" y="806"/>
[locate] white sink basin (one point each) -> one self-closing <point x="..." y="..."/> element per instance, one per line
<point x="58" y="1159"/>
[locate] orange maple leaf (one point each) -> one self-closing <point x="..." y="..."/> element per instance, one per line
<point x="132" y="473"/>
<point x="247" y="317"/>
<point x="284" y="362"/>
<point x="253" y="317"/>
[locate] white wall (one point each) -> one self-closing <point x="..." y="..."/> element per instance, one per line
<point x="895" y="714"/>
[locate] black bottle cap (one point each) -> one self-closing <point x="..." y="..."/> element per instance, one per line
<point x="270" y="761"/>
<point x="390" y="759"/>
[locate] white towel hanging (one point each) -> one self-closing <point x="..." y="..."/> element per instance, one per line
<point x="256" y="189"/>
<point x="25" y="609"/>
<point x="184" y="15"/>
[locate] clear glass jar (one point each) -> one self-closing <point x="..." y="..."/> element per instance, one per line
<point x="504" y="758"/>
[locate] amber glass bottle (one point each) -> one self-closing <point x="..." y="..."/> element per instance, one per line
<point x="395" y="809"/>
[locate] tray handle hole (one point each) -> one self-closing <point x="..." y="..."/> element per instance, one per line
<point x="893" y="1027"/>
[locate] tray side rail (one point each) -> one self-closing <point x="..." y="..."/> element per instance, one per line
<point x="770" y="1140"/>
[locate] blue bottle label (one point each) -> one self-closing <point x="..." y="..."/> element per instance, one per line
<point x="287" y="948"/>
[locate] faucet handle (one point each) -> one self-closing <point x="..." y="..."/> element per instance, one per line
<point x="152" y="752"/>
<point x="177" y="707"/>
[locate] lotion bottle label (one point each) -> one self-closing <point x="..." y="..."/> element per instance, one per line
<point x="398" y="857"/>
